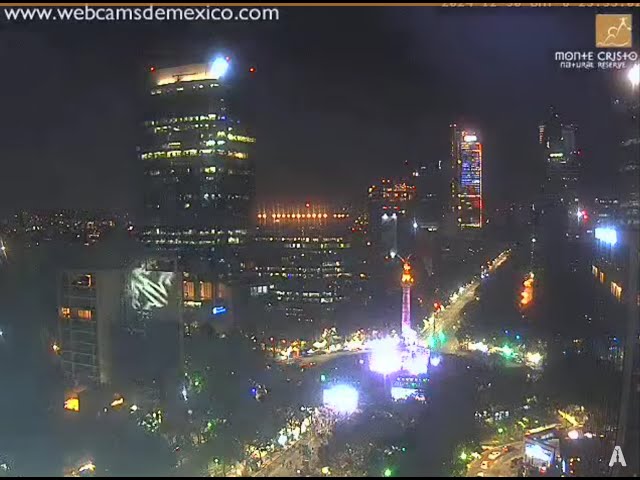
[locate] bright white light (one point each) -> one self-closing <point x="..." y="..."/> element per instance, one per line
<point x="533" y="240"/>
<point x="606" y="235"/>
<point x="415" y="225"/>
<point x="184" y="393"/>
<point x="402" y="393"/>
<point x="580" y="214"/>
<point x="417" y="364"/>
<point x="392" y="254"/>
<point x="341" y="398"/>
<point x="537" y="452"/>
<point x="479" y="346"/>
<point x="385" y="217"/>
<point x="282" y="440"/>
<point x="218" y="68"/>
<point x="533" y="358"/>
<point x="385" y="356"/>
<point x="470" y="138"/>
<point x="394" y="216"/>
<point x="573" y="435"/>
<point x="634" y="75"/>
<point x="435" y="360"/>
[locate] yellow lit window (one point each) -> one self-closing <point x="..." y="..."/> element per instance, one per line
<point x="602" y="278"/>
<point x="189" y="291"/>
<point x="85" y="314"/>
<point x="206" y="291"/>
<point x="65" y="312"/>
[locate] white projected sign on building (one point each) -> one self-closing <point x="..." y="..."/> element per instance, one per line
<point x="150" y="289"/>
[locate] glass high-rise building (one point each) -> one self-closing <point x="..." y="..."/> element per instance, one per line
<point x="197" y="160"/>
<point x="466" y="188"/>
<point x="562" y="158"/>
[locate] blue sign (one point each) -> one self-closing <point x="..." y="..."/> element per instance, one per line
<point x="219" y="310"/>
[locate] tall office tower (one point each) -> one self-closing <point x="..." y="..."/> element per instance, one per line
<point x="466" y="186"/>
<point x="197" y="159"/>
<point x="89" y="307"/>
<point x="562" y="159"/>
<point x="629" y="171"/>
<point x="430" y="196"/>
<point x="304" y="267"/>
<point x="391" y="206"/>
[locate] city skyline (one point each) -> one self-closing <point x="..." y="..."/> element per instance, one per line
<point x="298" y="116"/>
<point x="319" y="242"/>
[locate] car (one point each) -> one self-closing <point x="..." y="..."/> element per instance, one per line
<point x="494" y="455"/>
<point x="484" y="465"/>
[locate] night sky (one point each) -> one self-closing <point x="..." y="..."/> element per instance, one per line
<point x="343" y="96"/>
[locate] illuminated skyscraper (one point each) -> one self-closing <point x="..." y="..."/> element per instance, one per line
<point x="304" y="268"/>
<point x="562" y="158"/>
<point x="391" y="206"/>
<point x="196" y="156"/>
<point x="466" y="187"/>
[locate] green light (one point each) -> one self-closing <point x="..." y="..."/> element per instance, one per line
<point x="387" y="472"/>
<point x="323" y="378"/>
<point x="501" y="430"/>
<point x="463" y="456"/>
<point x="507" y="351"/>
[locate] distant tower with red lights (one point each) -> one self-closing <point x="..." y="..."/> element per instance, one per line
<point x="407" y="283"/>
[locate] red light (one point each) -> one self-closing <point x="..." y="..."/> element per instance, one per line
<point x="308" y="205"/>
<point x="152" y="69"/>
<point x="252" y="70"/>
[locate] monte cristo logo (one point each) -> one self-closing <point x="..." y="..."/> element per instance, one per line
<point x="613" y="31"/>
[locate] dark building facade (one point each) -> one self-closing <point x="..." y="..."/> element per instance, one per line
<point x="561" y="157"/>
<point x="197" y="161"/>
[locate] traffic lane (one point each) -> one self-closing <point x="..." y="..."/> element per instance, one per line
<point x="500" y="467"/>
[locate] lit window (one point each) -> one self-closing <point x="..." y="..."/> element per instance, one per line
<point x="84" y="314"/>
<point x="206" y="291"/>
<point x="65" y="312"/>
<point x="189" y="291"/>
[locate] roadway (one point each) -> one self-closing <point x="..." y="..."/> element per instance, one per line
<point x="300" y="455"/>
<point x="501" y="466"/>
<point x="448" y="321"/>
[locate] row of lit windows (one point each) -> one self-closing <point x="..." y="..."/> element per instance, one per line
<point x="301" y="239"/>
<point x="183" y="128"/>
<point x="300" y="216"/>
<point x="76" y="313"/>
<point x="191" y="232"/>
<point x="206" y="291"/>
<point x="616" y="291"/>
<point x="322" y="246"/>
<point x="235" y="138"/>
<point x="195" y="86"/>
<point x="230" y="241"/>
<point x="191" y="153"/>
<point x="210" y="116"/>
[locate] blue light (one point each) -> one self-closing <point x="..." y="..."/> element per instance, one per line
<point x="219" y="310"/>
<point x="606" y="235"/>
<point x="518" y="337"/>
<point x="218" y="68"/>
